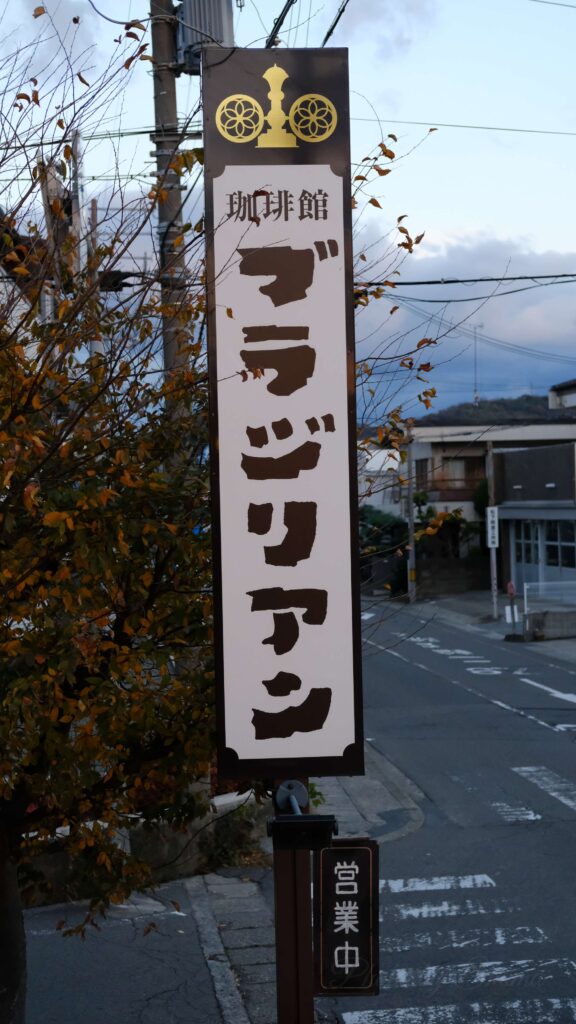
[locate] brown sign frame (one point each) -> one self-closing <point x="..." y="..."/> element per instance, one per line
<point x="232" y="72"/>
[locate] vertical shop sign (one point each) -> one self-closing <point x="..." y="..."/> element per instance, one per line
<point x="346" y="943"/>
<point x="281" y="363"/>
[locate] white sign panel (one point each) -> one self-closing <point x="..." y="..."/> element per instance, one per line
<point x="492" y="535"/>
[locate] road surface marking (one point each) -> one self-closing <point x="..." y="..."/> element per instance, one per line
<point x="427" y="911"/>
<point x="513" y="813"/>
<point x="469" y="689"/>
<point x="551" y="783"/>
<point x="570" y="698"/>
<point x="437" y="883"/>
<point x="475" y="938"/>
<point x="522" y="971"/>
<point x="367" y="615"/>
<point x="533" y="1011"/>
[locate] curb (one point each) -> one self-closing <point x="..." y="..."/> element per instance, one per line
<point x="223" y="978"/>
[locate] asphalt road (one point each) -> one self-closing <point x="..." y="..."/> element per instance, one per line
<point x="478" y="907"/>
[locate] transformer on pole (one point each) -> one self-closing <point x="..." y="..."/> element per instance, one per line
<point x="200" y="23"/>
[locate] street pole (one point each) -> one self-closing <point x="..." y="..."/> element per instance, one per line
<point x="293" y="914"/>
<point x="493" y="551"/>
<point x="166" y="139"/>
<point x="411" y="539"/>
<point x="295" y="833"/>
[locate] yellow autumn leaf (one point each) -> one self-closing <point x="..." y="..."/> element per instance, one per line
<point x="54" y="518"/>
<point x="38" y="12"/>
<point x="374" y="202"/>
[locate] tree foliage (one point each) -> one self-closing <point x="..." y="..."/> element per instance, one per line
<point x="106" y="695"/>
<point x="106" y="682"/>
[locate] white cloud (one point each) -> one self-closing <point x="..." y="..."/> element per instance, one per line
<point x="540" y="321"/>
<point x="390" y="25"/>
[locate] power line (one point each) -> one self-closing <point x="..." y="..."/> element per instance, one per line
<point x="341" y="10"/>
<point x="190" y="132"/>
<point x="477" y="127"/>
<point x="468" y="332"/>
<point x="467" y="280"/>
<point x="552" y="3"/>
<point x="483" y="298"/>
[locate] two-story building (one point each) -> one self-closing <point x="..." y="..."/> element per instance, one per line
<point x="449" y="462"/>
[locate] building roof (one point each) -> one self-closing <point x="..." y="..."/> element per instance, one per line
<point x="509" y="433"/>
<point x="565" y="385"/>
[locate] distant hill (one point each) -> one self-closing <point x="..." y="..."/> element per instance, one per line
<point x="526" y="409"/>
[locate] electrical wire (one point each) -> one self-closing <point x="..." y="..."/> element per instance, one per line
<point x="477" y="127"/>
<point x="493" y="295"/>
<point x="308" y="22"/>
<point x="468" y="280"/>
<point x="552" y="3"/>
<point x="472" y="333"/>
<point x="127" y="24"/>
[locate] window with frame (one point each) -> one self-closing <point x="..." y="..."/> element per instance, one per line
<point x="421" y="470"/>
<point x="561" y="544"/>
<point x="526" y="542"/>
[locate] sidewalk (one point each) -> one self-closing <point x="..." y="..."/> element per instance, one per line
<point x="474" y="610"/>
<point x="209" y="957"/>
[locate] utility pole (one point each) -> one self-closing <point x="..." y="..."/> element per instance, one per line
<point x="167" y="139"/>
<point x="491" y="501"/>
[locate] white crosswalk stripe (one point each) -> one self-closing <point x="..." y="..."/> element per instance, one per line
<point x="436" y="883"/>
<point x="474" y="938"/>
<point x="551" y="783"/>
<point x="530" y="1011"/>
<point x="489" y="972"/>
<point x="447" y="908"/>
<point x="415" y="983"/>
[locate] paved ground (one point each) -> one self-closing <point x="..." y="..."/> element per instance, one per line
<point x="202" y="951"/>
<point x="209" y="957"/>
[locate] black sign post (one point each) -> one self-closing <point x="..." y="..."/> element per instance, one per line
<point x="346" y="928"/>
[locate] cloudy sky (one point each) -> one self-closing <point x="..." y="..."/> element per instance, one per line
<point x="493" y="187"/>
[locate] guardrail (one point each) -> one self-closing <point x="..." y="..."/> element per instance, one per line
<point x="550" y="595"/>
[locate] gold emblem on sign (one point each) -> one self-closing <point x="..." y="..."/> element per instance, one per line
<point x="312" y="117"/>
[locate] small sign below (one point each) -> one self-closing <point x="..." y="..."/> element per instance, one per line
<point x="492" y="538"/>
<point x="346" y="940"/>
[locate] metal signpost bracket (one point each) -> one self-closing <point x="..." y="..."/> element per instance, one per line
<point x="292" y="830"/>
